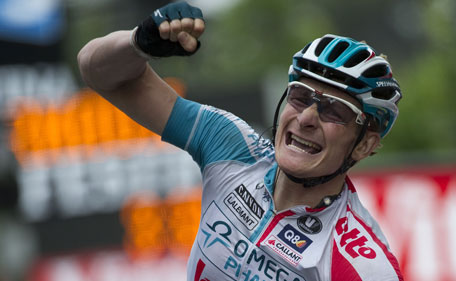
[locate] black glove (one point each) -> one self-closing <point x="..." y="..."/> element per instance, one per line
<point x="147" y="36"/>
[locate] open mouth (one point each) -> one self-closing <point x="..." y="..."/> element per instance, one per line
<point x="302" y="144"/>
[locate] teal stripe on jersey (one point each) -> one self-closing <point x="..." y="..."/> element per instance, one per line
<point x="218" y="137"/>
<point x="211" y="135"/>
<point x="180" y="123"/>
<point x="269" y="182"/>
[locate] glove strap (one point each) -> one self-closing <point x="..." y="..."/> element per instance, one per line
<point x="138" y="50"/>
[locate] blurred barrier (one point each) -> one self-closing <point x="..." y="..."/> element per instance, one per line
<point x="415" y="207"/>
<point x="155" y="227"/>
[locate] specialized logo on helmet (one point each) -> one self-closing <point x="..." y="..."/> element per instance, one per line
<point x="386" y="84"/>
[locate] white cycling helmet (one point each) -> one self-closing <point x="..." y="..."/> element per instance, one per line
<point x="355" y="68"/>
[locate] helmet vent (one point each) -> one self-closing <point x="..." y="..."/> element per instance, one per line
<point x="337" y="51"/>
<point x="383" y="93"/>
<point x="375" y="71"/>
<point x="329" y="73"/>
<point x="304" y="50"/>
<point x="322" y="45"/>
<point x="357" y="58"/>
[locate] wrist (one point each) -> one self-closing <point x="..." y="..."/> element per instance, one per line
<point x="135" y="46"/>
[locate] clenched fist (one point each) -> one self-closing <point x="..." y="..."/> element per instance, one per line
<point x="172" y="30"/>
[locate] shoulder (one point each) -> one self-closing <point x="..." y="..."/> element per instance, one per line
<point x="231" y="138"/>
<point x="211" y="135"/>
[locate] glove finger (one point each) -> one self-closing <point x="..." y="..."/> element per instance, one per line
<point x="196" y="13"/>
<point x="185" y="10"/>
<point x="173" y="11"/>
<point x="176" y="11"/>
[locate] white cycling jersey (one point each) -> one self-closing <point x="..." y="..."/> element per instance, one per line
<point x="242" y="237"/>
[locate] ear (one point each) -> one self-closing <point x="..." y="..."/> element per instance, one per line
<point x="366" y="146"/>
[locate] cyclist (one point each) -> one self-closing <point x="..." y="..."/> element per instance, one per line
<point x="280" y="210"/>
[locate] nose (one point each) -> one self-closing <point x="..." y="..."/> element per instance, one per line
<point x="309" y="117"/>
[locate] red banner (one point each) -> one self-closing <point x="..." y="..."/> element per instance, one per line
<point x="416" y="210"/>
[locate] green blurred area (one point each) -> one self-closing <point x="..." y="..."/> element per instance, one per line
<point x="247" y="42"/>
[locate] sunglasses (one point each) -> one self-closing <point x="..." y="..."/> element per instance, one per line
<point x="330" y="108"/>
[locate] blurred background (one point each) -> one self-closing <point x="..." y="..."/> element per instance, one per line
<point x="86" y="194"/>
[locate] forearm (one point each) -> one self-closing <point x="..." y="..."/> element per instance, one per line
<point x="109" y="62"/>
<point x="119" y="72"/>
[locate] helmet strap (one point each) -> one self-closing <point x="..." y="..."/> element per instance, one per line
<point x="276" y="116"/>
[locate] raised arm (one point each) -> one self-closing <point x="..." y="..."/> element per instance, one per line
<point x="116" y="67"/>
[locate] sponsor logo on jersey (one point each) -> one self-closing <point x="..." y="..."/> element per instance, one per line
<point x="231" y="253"/>
<point x="283" y="250"/>
<point x="309" y="224"/>
<point x="353" y="241"/>
<point x="250" y="201"/>
<point x="240" y="211"/>
<point x="294" y="238"/>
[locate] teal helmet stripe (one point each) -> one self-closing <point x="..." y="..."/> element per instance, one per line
<point x="353" y="48"/>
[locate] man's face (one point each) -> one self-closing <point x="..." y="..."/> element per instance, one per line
<point x="309" y="147"/>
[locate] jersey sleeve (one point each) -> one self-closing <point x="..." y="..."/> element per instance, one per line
<point x="210" y="134"/>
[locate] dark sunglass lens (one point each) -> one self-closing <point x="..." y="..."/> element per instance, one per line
<point x="299" y="97"/>
<point x="330" y="110"/>
<point x="335" y="111"/>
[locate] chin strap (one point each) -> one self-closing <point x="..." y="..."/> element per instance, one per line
<point x="347" y="164"/>
<point x="311" y="182"/>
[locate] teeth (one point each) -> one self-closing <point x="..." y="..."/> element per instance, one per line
<point x="306" y="143"/>
<point x="298" y="148"/>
